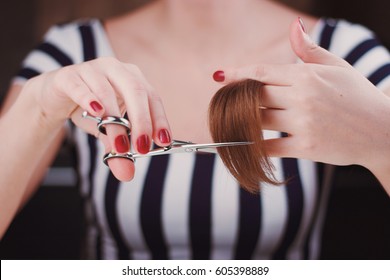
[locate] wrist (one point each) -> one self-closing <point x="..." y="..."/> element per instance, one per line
<point x="38" y="105"/>
<point x="29" y="105"/>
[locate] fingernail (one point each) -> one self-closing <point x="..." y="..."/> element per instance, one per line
<point x="164" y="136"/>
<point x="122" y="144"/>
<point x="302" y="24"/>
<point x="219" y="76"/>
<point x="143" y="144"/>
<point x="96" y="106"/>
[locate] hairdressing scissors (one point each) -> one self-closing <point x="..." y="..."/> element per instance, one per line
<point x="177" y="146"/>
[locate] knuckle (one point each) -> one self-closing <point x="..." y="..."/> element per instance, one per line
<point x="108" y="98"/>
<point x="306" y="102"/>
<point x="308" y="74"/>
<point x="107" y="64"/>
<point x="132" y="68"/>
<point x="308" y="144"/>
<point x="155" y="98"/>
<point x="150" y="88"/>
<point x="142" y="122"/>
<point x="307" y="123"/>
<point x="105" y="92"/>
<point x="259" y="71"/>
<point x="64" y="73"/>
<point x="145" y="120"/>
<point x="311" y="51"/>
<point x="107" y="60"/>
<point x="66" y="80"/>
<point x="83" y="99"/>
<point x="138" y="88"/>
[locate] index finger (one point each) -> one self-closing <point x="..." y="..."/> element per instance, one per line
<point x="271" y="74"/>
<point x="117" y="139"/>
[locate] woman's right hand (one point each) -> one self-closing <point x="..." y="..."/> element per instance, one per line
<point x="105" y="87"/>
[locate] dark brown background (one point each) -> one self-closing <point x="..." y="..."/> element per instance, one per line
<point x="50" y="226"/>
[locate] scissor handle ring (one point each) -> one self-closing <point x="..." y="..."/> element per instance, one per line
<point x="102" y="122"/>
<point x="111" y="155"/>
<point x="113" y="120"/>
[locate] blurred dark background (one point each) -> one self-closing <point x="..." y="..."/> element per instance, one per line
<point x="51" y="227"/>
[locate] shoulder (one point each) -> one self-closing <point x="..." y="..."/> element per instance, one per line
<point x="69" y="33"/>
<point x="68" y="38"/>
<point x="62" y="45"/>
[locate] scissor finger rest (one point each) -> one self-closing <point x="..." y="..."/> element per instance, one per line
<point x="114" y="120"/>
<point x="111" y="155"/>
<point x="103" y="122"/>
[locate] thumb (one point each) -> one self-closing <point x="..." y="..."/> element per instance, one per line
<point x="307" y="50"/>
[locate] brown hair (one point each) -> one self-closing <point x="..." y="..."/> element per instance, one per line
<point x="235" y="115"/>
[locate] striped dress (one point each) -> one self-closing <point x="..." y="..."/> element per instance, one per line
<point x="187" y="206"/>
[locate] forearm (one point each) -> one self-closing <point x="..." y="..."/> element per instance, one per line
<point x="26" y="136"/>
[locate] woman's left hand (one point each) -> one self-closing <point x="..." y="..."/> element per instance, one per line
<point x="330" y="111"/>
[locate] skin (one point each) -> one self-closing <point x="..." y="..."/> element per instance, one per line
<point x="170" y="61"/>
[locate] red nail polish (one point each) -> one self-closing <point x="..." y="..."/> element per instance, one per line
<point x="122" y="144"/>
<point x="96" y="106"/>
<point x="219" y="76"/>
<point x="301" y="24"/>
<point x="143" y="144"/>
<point x="164" y="136"/>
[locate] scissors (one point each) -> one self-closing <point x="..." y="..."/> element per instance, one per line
<point x="177" y="146"/>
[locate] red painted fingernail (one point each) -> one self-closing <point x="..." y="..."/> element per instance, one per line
<point x="219" y="76"/>
<point x="143" y="144"/>
<point x="122" y="144"/>
<point x="164" y="136"/>
<point x="301" y="24"/>
<point x="96" y="106"/>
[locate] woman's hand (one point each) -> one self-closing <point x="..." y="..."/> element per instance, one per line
<point x="105" y="87"/>
<point x="330" y="111"/>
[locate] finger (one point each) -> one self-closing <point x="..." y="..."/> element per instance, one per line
<point x="283" y="147"/>
<point x="123" y="169"/>
<point x="72" y="85"/>
<point x="309" y="51"/>
<point x="276" y="120"/>
<point x="117" y="136"/>
<point x="161" y="129"/>
<point x="270" y="74"/>
<point x="101" y="87"/>
<point x="136" y="97"/>
<point x="88" y="126"/>
<point x="276" y="97"/>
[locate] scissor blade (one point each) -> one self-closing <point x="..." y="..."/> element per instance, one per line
<point x="188" y="147"/>
<point x="212" y="147"/>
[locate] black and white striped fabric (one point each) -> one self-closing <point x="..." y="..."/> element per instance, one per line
<point x="187" y="206"/>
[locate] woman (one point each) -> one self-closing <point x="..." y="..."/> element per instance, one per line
<point x="187" y="206"/>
